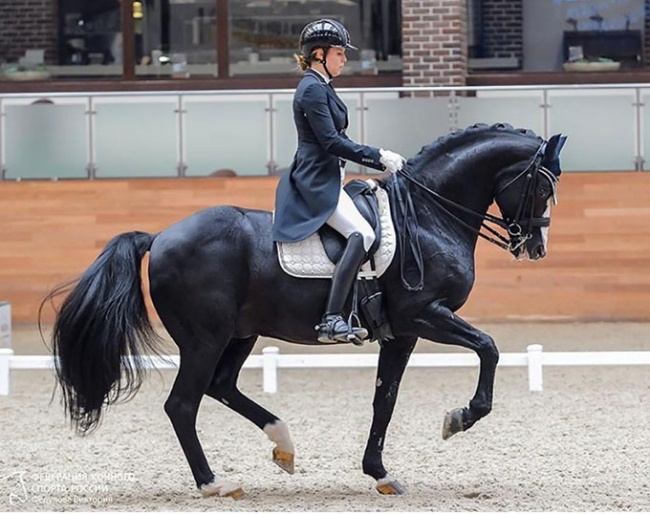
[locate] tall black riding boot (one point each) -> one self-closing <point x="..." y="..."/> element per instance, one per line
<point x="334" y="328"/>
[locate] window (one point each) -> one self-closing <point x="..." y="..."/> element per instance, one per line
<point x="264" y="34"/>
<point x="610" y="30"/>
<point x="546" y="35"/>
<point x="90" y="38"/>
<point x="177" y="38"/>
<point x="193" y="38"/>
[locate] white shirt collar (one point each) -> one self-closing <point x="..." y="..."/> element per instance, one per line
<point x="326" y="79"/>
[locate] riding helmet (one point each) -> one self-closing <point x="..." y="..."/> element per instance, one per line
<point x="324" y="33"/>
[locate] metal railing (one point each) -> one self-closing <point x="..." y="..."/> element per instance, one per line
<point x="251" y="132"/>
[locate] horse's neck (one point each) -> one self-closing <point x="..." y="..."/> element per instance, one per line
<point x="467" y="181"/>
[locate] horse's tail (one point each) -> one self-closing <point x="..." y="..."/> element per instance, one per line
<point x="101" y="331"/>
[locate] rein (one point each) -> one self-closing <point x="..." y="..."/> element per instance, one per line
<point x="517" y="235"/>
<point x="500" y="240"/>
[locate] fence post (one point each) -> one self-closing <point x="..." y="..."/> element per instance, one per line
<point x="5" y="370"/>
<point x="5" y="325"/>
<point x="270" y="368"/>
<point x="535" y="378"/>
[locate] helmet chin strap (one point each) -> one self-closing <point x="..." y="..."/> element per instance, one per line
<point x="323" y="61"/>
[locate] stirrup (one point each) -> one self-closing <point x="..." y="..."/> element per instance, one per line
<point x="334" y="329"/>
<point x="356" y="333"/>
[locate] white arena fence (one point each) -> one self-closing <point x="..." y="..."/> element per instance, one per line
<point x="271" y="361"/>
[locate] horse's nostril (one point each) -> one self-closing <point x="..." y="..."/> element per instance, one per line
<point x="536" y="251"/>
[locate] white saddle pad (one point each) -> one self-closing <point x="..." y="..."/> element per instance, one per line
<point x="307" y="259"/>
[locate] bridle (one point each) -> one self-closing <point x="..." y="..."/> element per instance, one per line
<point x="519" y="228"/>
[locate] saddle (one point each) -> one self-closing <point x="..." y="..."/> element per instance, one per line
<point x="316" y="256"/>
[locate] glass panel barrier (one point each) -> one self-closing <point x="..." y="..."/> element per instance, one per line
<point x="45" y="139"/>
<point x="226" y="134"/>
<point x="405" y="125"/>
<point x="136" y="137"/>
<point x="519" y="109"/>
<point x="285" y="140"/>
<point x="644" y="119"/>
<point x="145" y="135"/>
<point x="600" y="125"/>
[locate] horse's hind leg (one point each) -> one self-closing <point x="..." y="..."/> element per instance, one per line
<point x="197" y="365"/>
<point x="438" y="323"/>
<point x="224" y="389"/>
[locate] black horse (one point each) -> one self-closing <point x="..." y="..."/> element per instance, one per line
<point x="216" y="284"/>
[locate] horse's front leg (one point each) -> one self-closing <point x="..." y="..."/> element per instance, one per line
<point x="393" y="357"/>
<point x="438" y="323"/>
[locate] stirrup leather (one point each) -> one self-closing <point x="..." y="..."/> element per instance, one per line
<point x="334" y="329"/>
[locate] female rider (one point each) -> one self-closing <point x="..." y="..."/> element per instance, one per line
<point x="311" y="193"/>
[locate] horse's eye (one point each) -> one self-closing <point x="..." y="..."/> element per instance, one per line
<point x="542" y="191"/>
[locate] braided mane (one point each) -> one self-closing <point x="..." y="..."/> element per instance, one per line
<point x="444" y="143"/>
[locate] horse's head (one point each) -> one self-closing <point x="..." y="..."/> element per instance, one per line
<point x="525" y="196"/>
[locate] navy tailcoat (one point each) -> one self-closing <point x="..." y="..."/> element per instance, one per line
<point x="308" y="193"/>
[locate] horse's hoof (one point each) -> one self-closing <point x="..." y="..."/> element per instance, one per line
<point x="389" y="486"/>
<point x="222" y="489"/>
<point x="453" y="423"/>
<point x="237" y="494"/>
<point x="284" y="460"/>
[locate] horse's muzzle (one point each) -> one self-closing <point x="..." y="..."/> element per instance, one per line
<point x="536" y="252"/>
<point x="536" y="247"/>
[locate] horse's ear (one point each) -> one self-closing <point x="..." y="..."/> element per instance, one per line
<point x="553" y="147"/>
<point x="552" y="153"/>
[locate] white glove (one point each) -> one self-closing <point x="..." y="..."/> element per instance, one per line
<point x="393" y="162"/>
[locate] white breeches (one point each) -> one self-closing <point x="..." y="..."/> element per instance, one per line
<point x="346" y="219"/>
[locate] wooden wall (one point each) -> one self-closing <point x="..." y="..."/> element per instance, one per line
<point x="598" y="265"/>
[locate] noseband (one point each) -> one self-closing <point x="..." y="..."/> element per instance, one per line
<point x="519" y="229"/>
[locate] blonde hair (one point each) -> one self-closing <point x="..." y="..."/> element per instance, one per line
<point x="304" y="62"/>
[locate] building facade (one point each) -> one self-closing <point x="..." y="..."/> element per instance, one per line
<point x="250" y="43"/>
